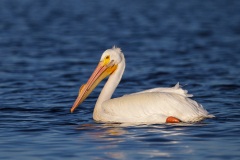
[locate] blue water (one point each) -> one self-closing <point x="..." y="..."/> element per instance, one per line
<point x="49" y="48"/>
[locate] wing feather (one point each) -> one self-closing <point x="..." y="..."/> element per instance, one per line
<point x="150" y="106"/>
<point x="177" y="89"/>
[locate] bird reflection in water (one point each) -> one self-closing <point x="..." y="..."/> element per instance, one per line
<point x="110" y="136"/>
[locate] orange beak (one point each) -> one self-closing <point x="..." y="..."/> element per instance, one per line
<point x="102" y="71"/>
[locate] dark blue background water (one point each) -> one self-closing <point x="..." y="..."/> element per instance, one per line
<point x="49" y="48"/>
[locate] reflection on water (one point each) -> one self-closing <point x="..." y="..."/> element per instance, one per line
<point x="108" y="137"/>
<point x="111" y="139"/>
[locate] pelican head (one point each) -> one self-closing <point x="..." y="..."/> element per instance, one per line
<point x="108" y="64"/>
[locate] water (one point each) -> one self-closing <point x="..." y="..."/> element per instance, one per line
<point x="49" y="48"/>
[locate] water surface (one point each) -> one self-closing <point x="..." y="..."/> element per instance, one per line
<point x="49" y="48"/>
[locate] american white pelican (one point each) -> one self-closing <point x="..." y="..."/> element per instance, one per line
<point x="158" y="105"/>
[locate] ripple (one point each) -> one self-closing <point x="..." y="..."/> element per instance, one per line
<point x="49" y="48"/>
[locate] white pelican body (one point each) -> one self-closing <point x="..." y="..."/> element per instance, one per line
<point x="158" y="105"/>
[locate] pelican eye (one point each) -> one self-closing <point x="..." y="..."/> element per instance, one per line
<point x="106" y="60"/>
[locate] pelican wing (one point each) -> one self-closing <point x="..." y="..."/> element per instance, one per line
<point x="154" y="106"/>
<point x="177" y="89"/>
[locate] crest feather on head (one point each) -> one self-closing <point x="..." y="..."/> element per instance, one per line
<point x="117" y="49"/>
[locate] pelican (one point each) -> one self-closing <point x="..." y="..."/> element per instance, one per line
<point x="153" y="106"/>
